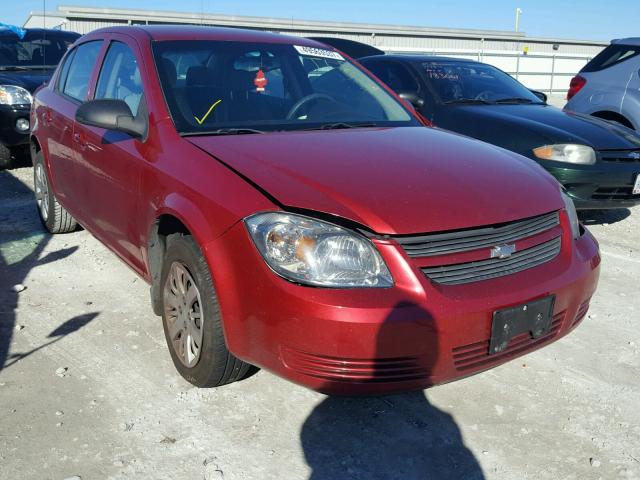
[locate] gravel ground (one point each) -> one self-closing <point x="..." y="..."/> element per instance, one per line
<point x="87" y="387"/>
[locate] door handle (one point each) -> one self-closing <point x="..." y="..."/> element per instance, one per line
<point x="46" y="117"/>
<point x="80" y="140"/>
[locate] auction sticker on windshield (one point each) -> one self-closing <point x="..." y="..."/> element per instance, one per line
<point x="318" y="52"/>
<point x="636" y="187"/>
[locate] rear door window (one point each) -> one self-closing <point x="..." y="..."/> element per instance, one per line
<point x="610" y="56"/>
<point x="76" y="83"/>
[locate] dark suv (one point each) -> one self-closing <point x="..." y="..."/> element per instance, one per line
<point x="28" y="57"/>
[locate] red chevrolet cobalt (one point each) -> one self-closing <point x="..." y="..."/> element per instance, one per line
<point x="290" y="212"/>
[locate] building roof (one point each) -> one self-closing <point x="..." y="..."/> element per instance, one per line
<point x="290" y="24"/>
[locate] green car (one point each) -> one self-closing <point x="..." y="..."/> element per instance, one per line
<point x="597" y="161"/>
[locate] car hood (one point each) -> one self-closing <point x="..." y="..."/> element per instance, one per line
<point x="28" y="79"/>
<point x="547" y="124"/>
<point x="391" y="180"/>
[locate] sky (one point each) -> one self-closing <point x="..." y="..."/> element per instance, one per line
<point x="585" y="19"/>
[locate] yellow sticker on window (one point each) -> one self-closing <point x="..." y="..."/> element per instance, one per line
<point x="201" y="121"/>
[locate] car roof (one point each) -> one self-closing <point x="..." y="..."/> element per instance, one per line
<point x="36" y="32"/>
<point x="196" y="32"/>
<point x="635" y="41"/>
<point x="413" y="58"/>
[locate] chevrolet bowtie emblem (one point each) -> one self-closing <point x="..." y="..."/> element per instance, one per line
<point x="503" y="251"/>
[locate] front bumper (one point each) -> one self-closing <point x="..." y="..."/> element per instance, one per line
<point x="377" y="341"/>
<point x="600" y="186"/>
<point x="9" y="133"/>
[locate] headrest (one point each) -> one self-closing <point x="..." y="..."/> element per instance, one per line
<point x="199" y="75"/>
<point x="169" y="72"/>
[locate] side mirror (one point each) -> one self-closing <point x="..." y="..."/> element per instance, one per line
<point x="112" y="115"/>
<point x="542" y="96"/>
<point x="413" y="98"/>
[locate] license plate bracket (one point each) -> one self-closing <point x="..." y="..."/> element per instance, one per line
<point x="636" y="187"/>
<point x="533" y="317"/>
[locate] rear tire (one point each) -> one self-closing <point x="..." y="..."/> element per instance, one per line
<point x="52" y="215"/>
<point x="191" y="317"/>
<point x="6" y="161"/>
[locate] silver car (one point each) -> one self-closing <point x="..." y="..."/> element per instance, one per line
<point x="609" y="85"/>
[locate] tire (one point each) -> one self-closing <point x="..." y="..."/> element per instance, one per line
<point x="52" y="215"/>
<point x="5" y="157"/>
<point x="192" y="321"/>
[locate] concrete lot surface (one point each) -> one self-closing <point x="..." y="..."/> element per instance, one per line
<point x="87" y="387"/>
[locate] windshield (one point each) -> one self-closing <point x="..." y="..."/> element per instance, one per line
<point x="239" y="87"/>
<point x="34" y="50"/>
<point x="458" y="82"/>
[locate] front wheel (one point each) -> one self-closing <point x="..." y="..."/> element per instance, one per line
<point x="52" y="215"/>
<point x="191" y="318"/>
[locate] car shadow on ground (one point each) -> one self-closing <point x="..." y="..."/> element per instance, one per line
<point x="22" y="242"/>
<point x="402" y="437"/>
<point x="20" y="158"/>
<point x="603" y="217"/>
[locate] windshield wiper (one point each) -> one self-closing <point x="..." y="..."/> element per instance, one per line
<point x="13" y="68"/>
<point x="342" y="125"/>
<point x="469" y="101"/>
<point x="223" y="131"/>
<point x="514" y="100"/>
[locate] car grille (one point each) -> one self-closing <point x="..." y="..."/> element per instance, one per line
<point x="473" y="239"/>
<point x="355" y="370"/>
<point x="615" y="193"/>
<point x="431" y="246"/>
<point x="494" y="267"/>
<point x="581" y="313"/>
<point x="620" y="156"/>
<point x="477" y="355"/>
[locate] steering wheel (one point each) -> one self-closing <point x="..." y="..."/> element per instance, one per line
<point x="304" y="100"/>
<point x="484" y="95"/>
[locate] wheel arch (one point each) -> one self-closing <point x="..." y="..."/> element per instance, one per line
<point x="177" y="215"/>
<point x="163" y="226"/>
<point x="34" y="147"/>
<point x="614" y="116"/>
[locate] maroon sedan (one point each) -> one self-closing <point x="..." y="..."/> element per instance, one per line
<point x="290" y="212"/>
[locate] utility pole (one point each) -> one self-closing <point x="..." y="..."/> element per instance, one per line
<point x="518" y="13"/>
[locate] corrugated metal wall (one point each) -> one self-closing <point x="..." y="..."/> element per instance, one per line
<point x="547" y="66"/>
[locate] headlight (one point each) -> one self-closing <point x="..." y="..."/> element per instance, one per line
<point x="14" y="95"/>
<point x="569" y="153"/>
<point x="573" y="215"/>
<point x="312" y="252"/>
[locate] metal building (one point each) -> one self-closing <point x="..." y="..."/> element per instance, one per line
<point x="540" y="63"/>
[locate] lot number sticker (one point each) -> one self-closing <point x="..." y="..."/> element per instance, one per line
<point x="318" y="52"/>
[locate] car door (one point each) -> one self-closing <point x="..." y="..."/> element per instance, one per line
<point x="58" y="115"/>
<point x="630" y="108"/>
<point x="112" y="161"/>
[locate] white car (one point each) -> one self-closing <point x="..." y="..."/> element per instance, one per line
<point x="608" y="86"/>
